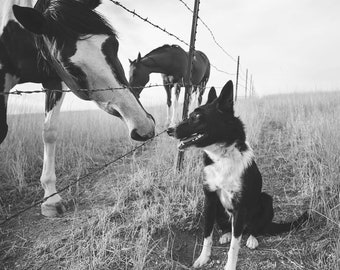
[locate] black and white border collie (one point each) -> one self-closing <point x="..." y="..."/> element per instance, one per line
<point x="232" y="187"/>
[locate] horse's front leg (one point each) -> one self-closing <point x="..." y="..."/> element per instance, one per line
<point x="193" y="104"/>
<point x="7" y="81"/>
<point x="52" y="206"/>
<point x="3" y="118"/>
<point x="175" y="114"/>
<point x="168" y="102"/>
<point x="201" y="89"/>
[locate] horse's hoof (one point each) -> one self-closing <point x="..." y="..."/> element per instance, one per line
<point x="53" y="210"/>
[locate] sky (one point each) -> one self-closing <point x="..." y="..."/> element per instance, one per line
<point x="286" y="45"/>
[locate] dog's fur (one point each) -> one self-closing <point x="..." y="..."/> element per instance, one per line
<point x="232" y="187"/>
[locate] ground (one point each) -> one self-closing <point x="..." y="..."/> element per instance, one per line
<point x="140" y="213"/>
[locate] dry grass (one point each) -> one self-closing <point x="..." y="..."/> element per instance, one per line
<point x="142" y="214"/>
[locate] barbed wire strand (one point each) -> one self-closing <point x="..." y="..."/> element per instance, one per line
<point x="149" y="22"/>
<point x="222" y="71"/>
<point x="22" y="92"/>
<point x="102" y="167"/>
<point x="44" y="90"/>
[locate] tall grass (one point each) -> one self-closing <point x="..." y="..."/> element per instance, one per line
<point x="312" y="123"/>
<point x="128" y="216"/>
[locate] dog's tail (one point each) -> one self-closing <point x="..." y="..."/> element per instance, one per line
<point x="277" y="228"/>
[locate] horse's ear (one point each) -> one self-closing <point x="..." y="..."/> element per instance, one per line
<point x="212" y="95"/>
<point x="139" y="57"/>
<point x="130" y="61"/>
<point x="30" y="19"/>
<point x="226" y="99"/>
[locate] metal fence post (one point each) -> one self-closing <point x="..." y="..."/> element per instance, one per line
<point x="187" y="81"/>
<point x="237" y="74"/>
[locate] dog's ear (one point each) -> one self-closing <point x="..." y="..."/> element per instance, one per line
<point x="226" y="99"/>
<point x="212" y="95"/>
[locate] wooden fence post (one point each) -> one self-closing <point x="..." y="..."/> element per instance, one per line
<point x="187" y="81"/>
<point x="237" y="73"/>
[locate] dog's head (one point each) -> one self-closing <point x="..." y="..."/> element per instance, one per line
<point x="211" y="123"/>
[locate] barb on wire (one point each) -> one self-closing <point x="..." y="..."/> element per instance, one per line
<point x="147" y="20"/>
<point x="211" y="33"/>
<point x="80" y="179"/>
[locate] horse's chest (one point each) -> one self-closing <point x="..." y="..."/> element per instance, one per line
<point x="225" y="178"/>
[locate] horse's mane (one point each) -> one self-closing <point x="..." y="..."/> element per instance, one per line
<point x="165" y="46"/>
<point x="68" y="20"/>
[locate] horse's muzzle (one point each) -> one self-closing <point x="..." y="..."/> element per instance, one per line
<point x="135" y="136"/>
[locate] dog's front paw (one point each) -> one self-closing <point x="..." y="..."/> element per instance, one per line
<point x="225" y="238"/>
<point x="252" y="242"/>
<point x="201" y="260"/>
<point x="231" y="265"/>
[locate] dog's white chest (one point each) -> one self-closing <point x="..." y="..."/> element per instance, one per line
<point x="220" y="177"/>
<point x="224" y="175"/>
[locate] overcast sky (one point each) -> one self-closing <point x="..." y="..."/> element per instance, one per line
<point x="287" y="45"/>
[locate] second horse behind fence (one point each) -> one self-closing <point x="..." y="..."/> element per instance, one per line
<point x="171" y="61"/>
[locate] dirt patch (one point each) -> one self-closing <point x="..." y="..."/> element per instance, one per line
<point x="175" y="248"/>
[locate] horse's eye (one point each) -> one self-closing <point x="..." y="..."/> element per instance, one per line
<point x="196" y="117"/>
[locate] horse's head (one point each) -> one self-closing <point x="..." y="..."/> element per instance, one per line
<point x="82" y="47"/>
<point x="139" y="75"/>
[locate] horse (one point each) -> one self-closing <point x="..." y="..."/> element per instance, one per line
<point x="171" y="61"/>
<point x="58" y="42"/>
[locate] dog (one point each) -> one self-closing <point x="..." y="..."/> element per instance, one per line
<point x="233" y="182"/>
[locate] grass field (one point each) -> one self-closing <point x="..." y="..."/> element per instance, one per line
<point x="141" y="214"/>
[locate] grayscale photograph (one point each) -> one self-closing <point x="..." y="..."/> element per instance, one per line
<point x="169" y="135"/>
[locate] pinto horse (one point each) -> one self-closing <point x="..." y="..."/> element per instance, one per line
<point x="64" y="41"/>
<point x="171" y="61"/>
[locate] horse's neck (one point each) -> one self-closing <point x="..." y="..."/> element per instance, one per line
<point x="6" y="12"/>
<point x="156" y="64"/>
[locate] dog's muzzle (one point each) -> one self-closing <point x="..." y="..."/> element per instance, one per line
<point x="171" y="131"/>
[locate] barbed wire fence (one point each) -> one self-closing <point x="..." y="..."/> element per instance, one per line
<point x="43" y="90"/>
<point x="163" y="29"/>
<point x="249" y="88"/>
